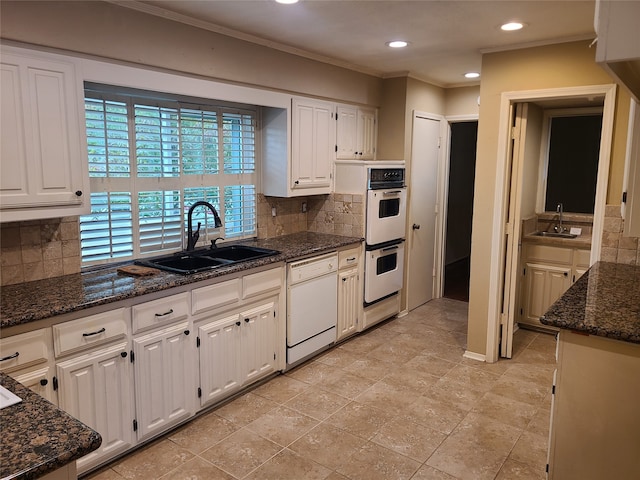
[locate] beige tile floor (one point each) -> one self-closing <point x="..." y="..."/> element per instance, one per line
<point x="396" y="402"/>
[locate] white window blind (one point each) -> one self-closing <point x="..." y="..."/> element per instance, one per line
<point x="150" y="159"/>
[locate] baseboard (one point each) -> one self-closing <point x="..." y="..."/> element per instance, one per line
<point x="480" y="357"/>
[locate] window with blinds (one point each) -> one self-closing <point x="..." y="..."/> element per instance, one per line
<point x="150" y="159"/>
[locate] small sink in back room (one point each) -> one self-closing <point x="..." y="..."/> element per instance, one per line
<point x="186" y="263"/>
<point x="555" y="234"/>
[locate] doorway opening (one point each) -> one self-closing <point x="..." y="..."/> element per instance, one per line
<point x="462" y="167"/>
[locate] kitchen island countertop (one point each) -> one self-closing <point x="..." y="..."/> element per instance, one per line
<point x="605" y="302"/>
<point x="37" y="437"/>
<point x="31" y="301"/>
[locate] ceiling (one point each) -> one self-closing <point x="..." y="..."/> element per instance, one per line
<point x="446" y="38"/>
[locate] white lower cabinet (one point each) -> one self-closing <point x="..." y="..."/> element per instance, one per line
<point x="548" y="271"/>
<point x="237" y="349"/>
<point x="218" y="350"/>
<point x="28" y="358"/>
<point x="259" y="341"/>
<point x="350" y="292"/>
<point x="97" y="388"/>
<point x="164" y="378"/>
<point x="349" y="302"/>
<point x="543" y="285"/>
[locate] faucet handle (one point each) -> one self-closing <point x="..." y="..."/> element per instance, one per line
<point x="196" y="234"/>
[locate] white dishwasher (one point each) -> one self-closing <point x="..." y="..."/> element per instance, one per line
<point x="312" y="305"/>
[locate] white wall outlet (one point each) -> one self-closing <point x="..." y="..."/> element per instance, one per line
<point x="273" y="211"/>
<point x="575" y="231"/>
<point x="304" y="207"/>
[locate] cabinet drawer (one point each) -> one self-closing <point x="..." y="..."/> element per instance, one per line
<point x="90" y="331"/>
<point x="214" y="296"/>
<point x="262" y="282"/>
<point x="25" y="349"/>
<point x="348" y="258"/>
<point x="160" y="312"/>
<point x="546" y="254"/>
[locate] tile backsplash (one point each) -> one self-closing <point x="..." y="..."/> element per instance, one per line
<point x="38" y="249"/>
<point x="33" y="250"/>
<point x="615" y="247"/>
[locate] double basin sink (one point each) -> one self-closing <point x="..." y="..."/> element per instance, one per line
<point x="189" y="262"/>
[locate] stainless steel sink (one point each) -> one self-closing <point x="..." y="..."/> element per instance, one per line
<point x="555" y="234"/>
<point x="186" y="263"/>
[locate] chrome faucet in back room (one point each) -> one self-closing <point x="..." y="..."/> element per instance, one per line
<point x="192" y="236"/>
<point x="558" y="228"/>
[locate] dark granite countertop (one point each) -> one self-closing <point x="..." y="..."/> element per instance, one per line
<point x="605" y="302"/>
<point x="31" y="301"/>
<point x="37" y="437"/>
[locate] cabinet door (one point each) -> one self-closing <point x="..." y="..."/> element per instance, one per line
<point x="164" y="377"/>
<point x="259" y="341"/>
<point x="349" y="299"/>
<point x="366" y="140"/>
<point x="346" y="133"/>
<point x="43" y="148"/>
<point x="39" y="381"/>
<point x="312" y="144"/>
<point x="219" y="352"/>
<point x="543" y="285"/>
<point x="97" y="388"/>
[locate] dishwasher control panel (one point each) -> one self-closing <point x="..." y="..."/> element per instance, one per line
<point x="303" y="270"/>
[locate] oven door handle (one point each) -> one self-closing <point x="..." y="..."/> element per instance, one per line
<point x="393" y="192"/>
<point x="387" y="249"/>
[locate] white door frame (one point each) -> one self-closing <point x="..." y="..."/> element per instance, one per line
<point x="500" y="198"/>
<point x="443" y="200"/>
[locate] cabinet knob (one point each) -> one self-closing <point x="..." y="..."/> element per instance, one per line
<point x="416" y="226"/>
<point x="123" y="354"/>
<point x="238" y="323"/>
<point x="78" y="193"/>
<point x="297" y="182"/>
<point x="247" y="320"/>
<point x="44" y="382"/>
<point x="187" y="332"/>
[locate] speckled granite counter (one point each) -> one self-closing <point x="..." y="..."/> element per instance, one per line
<point x="31" y="301"/>
<point x="37" y="438"/>
<point x="605" y="302"/>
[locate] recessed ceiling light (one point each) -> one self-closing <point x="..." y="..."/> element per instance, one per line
<point x="397" y="44"/>
<point x="287" y="2"/>
<point x="471" y="75"/>
<point x="512" y="26"/>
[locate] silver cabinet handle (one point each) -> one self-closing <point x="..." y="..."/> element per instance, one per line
<point x="97" y="332"/>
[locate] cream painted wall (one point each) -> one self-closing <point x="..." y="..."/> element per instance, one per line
<point x="391" y="119"/>
<point x="563" y="65"/>
<point x="462" y="101"/>
<point x="113" y="32"/>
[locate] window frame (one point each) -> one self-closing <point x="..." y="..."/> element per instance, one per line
<point x="183" y="182"/>
<point x="548" y="115"/>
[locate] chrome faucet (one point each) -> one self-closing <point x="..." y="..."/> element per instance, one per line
<point x="559" y="228"/>
<point x="192" y="236"/>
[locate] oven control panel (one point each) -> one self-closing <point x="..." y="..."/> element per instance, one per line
<point x="379" y="178"/>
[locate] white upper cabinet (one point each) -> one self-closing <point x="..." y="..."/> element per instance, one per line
<point x="618" y="47"/>
<point x="312" y="149"/>
<point x="356" y="133"/>
<point x="43" y="161"/>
